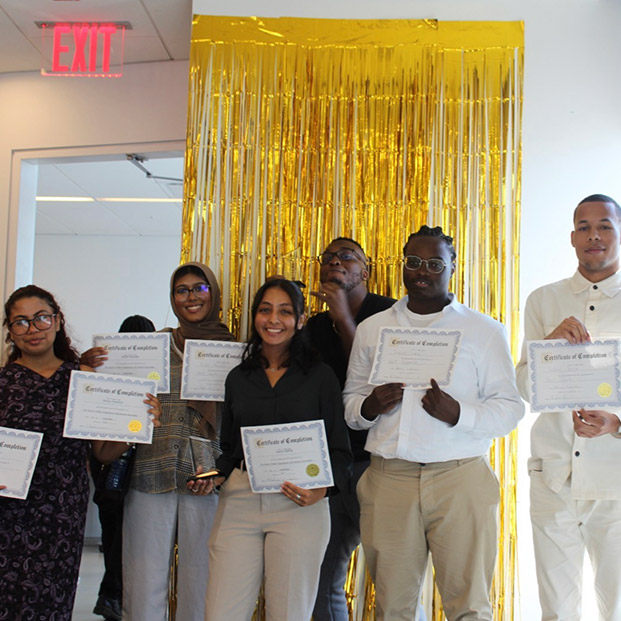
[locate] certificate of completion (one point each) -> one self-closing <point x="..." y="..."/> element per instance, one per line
<point x="108" y="407"/>
<point x="563" y="376"/>
<point x="137" y="354"/>
<point x="205" y="367"/>
<point x="412" y="356"/>
<point x="294" y="452"/>
<point x="18" y="456"/>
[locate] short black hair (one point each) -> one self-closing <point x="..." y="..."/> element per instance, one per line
<point x="600" y="198"/>
<point x="137" y="323"/>
<point x="353" y="241"/>
<point x="436" y="231"/>
<point x="367" y="266"/>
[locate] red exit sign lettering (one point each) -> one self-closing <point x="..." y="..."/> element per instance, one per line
<point x="84" y="49"/>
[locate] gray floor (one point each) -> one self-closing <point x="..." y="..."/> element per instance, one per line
<point x="91" y="572"/>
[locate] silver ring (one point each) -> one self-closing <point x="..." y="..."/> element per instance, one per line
<point x="298" y="496"/>
<point x="194" y="491"/>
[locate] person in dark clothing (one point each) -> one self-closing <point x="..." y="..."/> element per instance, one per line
<point x="344" y="274"/>
<point x="109" y="496"/>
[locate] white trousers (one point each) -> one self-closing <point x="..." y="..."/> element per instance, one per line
<point x="257" y="535"/>
<point x="150" y="522"/>
<point x="563" y="529"/>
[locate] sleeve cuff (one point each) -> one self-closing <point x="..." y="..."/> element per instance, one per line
<point x="466" y="417"/>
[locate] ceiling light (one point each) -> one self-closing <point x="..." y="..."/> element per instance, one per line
<point x="139" y="200"/>
<point x="65" y="199"/>
<point x="88" y="199"/>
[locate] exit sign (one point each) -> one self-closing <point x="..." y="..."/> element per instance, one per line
<point x="90" y="49"/>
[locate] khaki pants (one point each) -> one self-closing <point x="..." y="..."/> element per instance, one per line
<point x="264" y="534"/>
<point x="448" y="508"/>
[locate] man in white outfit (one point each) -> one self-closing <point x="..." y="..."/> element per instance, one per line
<point x="575" y="464"/>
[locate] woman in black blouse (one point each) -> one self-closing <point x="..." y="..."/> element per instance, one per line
<point x="281" y="536"/>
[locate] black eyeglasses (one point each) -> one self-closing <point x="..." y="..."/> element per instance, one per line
<point x="434" y="266"/>
<point x="344" y="254"/>
<point x="200" y="291"/>
<point x="40" y="322"/>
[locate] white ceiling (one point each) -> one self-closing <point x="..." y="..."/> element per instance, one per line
<point x="160" y="31"/>
<point x="110" y="179"/>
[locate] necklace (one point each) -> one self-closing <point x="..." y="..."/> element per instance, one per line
<point x="275" y="369"/>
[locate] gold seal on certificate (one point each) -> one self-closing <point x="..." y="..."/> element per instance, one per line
<point x="563" y="376"/>
<point x="312" y="470"/>
<point x="604" y="389"/>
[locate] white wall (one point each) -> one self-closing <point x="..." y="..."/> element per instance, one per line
<point x="44" y="116"/>
<point x="122" y="276"/>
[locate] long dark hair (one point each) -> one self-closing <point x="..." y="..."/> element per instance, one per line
<point x="62" y="343"/>
<point x="300" y="349"/>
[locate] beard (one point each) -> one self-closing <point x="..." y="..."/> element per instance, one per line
<point x="347" y="285"/>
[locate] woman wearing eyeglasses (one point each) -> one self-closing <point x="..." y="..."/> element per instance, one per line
<point x="41" y="537"/>
<point x="160" y="504"/>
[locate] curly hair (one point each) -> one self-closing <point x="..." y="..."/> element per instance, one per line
<point x="62" y="343"/>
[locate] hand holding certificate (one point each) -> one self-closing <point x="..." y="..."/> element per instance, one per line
<point x="564" y="376"/>
<point x="295" y="452"/>
<point x="108" y="407"/>
<point x="412" y="356"/>
<point x="18" y="456"/>
<point x="139" y="354"/>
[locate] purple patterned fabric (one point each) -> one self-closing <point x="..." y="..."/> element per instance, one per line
<point x="41" y="537"/>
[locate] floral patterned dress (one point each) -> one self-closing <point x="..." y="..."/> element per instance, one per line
<point x="41" y="537"/>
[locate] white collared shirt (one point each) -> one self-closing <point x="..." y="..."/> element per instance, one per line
<point x="483" y="382"/>
<point x="593" y="463"/>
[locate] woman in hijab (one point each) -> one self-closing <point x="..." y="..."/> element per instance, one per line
<point x="161" y="505"/>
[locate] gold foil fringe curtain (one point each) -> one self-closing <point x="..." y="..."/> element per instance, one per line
<point x="300" y="130"/>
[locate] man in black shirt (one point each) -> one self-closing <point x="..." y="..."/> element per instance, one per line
<point x="343" y="275"/>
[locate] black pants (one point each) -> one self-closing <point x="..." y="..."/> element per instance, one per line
<point x="110" y="505"/>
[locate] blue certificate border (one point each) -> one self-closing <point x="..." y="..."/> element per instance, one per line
<point x="33" y="437"/>
<point x="79" y="377"/>
<point x="391" y="330"/>
<point x="164" y="381"/>
<point x="248" y="433"/>
<point x="563" y="405"/>
<point x="191" y="345"/>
